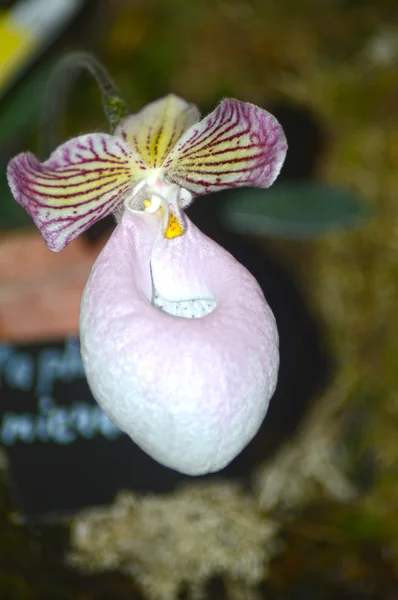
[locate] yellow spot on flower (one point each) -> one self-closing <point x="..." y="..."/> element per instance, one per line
<point x="174" y="228"/>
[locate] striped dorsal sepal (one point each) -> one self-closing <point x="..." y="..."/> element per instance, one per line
<point x="153" y="132"/>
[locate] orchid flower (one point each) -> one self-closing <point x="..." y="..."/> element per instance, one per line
<point x="178" y="343"/>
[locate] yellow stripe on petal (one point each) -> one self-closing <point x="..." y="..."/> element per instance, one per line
<point x="154" y="131"/>
<point x="83" y="181"/>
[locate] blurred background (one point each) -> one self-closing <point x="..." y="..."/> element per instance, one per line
<point x="309" y="509"/>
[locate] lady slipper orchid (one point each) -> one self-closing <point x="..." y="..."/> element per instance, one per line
<point x="179" y="345"/>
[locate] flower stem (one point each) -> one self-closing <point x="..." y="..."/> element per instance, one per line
<point x="64" y="76"/>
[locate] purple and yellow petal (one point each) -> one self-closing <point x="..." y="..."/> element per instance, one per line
<point x="153" y="132"/>
<point x="238" y="144"/>
<point x="84" y="180"/>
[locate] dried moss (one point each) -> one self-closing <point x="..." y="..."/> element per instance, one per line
<point x="188" y="537"/>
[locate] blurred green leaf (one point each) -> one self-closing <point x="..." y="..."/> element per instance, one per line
<point x="11" y="213"/>
<point x="20" y="113"/>
<point x="306" y="209"/>
<point x="21" y="109"/>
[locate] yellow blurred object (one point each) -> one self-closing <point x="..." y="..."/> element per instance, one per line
<point x="16" y="44"/>
<point x="27" y="28"/>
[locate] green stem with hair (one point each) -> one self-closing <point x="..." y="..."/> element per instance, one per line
<point x="64" y="76"/>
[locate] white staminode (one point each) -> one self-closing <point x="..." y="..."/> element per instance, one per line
<point x="155" y="192"/>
